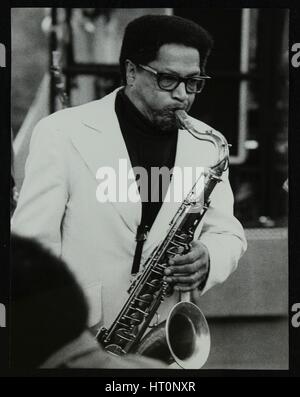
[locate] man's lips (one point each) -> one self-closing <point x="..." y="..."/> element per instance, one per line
<point x="172" y="110"/>
<point x="183" y="107"/>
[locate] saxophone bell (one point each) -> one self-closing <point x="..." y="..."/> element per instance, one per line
<point x="188" y="335"/>
<point x="183" y="339"/>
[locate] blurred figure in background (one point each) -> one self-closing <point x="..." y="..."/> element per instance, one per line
<point x="13" y="189"/>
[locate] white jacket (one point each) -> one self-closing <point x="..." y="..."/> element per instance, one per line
<point x="58" y="205"/>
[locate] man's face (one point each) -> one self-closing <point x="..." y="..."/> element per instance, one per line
<point x="158" y="105"/>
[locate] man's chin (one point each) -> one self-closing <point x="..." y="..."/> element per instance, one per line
<point x="167" y="124"/>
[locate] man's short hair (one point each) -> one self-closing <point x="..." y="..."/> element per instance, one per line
<point x="48" y="308"/>
<point x="145" y="35"/>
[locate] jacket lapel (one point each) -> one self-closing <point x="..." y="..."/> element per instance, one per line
<point x="100" y="143"/>
<point x="191" y="156"/>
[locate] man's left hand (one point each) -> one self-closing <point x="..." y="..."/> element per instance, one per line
<point x="187" y="272"/>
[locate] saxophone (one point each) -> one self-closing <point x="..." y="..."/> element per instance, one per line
<point x="184" y="337"/>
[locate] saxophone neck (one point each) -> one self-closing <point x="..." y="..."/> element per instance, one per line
<point x="215" y="137"/>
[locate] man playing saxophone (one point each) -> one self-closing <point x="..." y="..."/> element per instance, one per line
<point x="162" y="61"/>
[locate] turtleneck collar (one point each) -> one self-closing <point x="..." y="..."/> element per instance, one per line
<point x="142" y="124"/>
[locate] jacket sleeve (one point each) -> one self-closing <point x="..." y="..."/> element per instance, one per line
<point x="44" y="193"/>
<point x="222" y="234"/>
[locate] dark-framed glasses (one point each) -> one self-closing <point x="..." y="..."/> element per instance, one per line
<point x="168" y="81"/>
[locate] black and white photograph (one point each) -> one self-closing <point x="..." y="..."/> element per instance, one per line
<point x="151" y="191"/>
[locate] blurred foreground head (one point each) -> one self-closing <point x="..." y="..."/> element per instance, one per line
<point x="48" y="308"/>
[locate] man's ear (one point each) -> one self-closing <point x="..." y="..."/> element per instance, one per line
<point x="130" y="72"/>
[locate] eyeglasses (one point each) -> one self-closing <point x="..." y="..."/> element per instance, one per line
<point x="168" y="82"/>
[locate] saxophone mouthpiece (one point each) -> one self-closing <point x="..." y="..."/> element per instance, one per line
<point x="181" y="118"/>
<point x="181" y="114"/>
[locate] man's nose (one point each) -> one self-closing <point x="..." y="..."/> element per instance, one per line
<point x="180" y="92"/>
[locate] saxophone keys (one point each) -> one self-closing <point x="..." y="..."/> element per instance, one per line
<point x="156" y="272"/>
<point x="156" y="321"/>
<point x="139" y="310"/>
<point x="134" y="318"/>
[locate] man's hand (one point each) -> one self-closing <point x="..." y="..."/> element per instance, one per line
<point x="187" y="272"/>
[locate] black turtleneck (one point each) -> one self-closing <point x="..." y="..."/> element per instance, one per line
<point x="147" y="147"/>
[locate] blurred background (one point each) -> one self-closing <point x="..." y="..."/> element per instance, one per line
<point x="246" y="99"/>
